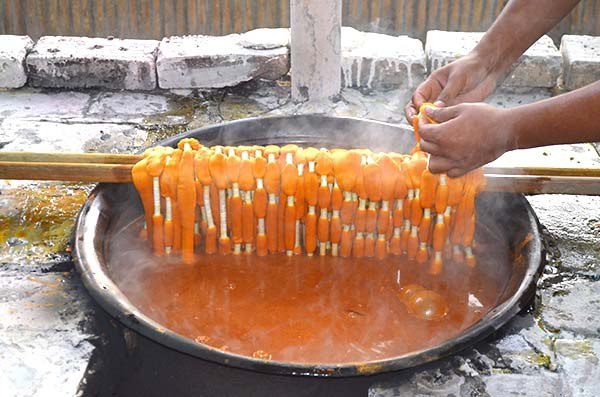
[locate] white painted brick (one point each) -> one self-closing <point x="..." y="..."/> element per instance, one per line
<point x="381" y="62"/>
<point x="581" y="60"/>
<point x="539" y="66"/>
<point x="83" y="62"/>
<point x="13" y="50"/>
<point x="265" y="39"/>
<point x="222" y="61"/>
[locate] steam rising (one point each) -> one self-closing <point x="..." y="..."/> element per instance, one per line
<point x="299" y="309"/>
<point x="319" y="310"/>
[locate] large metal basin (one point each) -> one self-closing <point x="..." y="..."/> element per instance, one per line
<point x="152" y="360"/>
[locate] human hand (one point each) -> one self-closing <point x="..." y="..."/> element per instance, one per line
<point x="468" y="136"/>
<point x="467" y="79"/>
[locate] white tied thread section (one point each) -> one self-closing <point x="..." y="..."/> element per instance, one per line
<point x="156" y="194"/>
<point x="272" y="196"/>
<point x="209" y="216"/>
<point x="297" y="239"/>
<point x="169" y="209"/>
<point x="223" y="212"/>
<point x="168" y="217"/>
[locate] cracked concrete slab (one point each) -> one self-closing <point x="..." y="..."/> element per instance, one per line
<point x="583" y="228"/>
<point x="572" y="305"/>
<point x="95" y="107"/>
<point x="43" y="349"/>
<point x="521" y="355"/>
<point x="384" y="106"/>
<point x="35" y="104"/>
<point x="42" y="136"/>
<point x="135" y="108"/>
<point x="543" y="384"/>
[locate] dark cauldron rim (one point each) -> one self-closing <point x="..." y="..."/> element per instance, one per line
<point x="111" y="299"/>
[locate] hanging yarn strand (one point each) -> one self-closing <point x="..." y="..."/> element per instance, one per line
<point x="268" y="200"/>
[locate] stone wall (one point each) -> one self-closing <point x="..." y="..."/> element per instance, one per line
<point x="370" y="61"/>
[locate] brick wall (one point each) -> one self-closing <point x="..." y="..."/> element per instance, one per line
<point x="370" y="61"/>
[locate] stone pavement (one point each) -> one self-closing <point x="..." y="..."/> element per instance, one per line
<point x="553" y="349"/>
<point x="47" y="336"/>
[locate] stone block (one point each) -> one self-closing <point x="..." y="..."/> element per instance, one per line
<point x="539" y="66"/>
<point x="581" y="60"/>
<point x="572" y="306"/>
<point x="579" y="359"/>
<point x="574" y="222"/>
<point x="381" y="62"/>
<point x="222" y="61"/>
<point x="13" y="50"/>
<point x="83" y="62"/>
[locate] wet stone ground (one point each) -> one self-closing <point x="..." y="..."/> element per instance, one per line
<point x="47" y="330"/>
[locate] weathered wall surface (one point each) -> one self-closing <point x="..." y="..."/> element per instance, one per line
<point x="369" y="61"/>
<point x="155" y="19"/>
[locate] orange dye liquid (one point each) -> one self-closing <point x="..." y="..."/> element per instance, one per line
<point x="307" y="309"/>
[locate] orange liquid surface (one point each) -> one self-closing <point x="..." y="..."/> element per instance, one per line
<point x="308" y="309"/>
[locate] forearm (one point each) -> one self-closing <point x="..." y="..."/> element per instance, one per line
<point x="567" y="118"/>
<point x="521" y="23"/>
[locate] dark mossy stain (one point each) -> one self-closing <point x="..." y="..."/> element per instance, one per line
<point x="178" y="107"/>
<point x="161" y="126"/>
<point x="561" y="292"/>
<point x="540" y="359"/>
<point x="576" y="349"/>
<point x="236" y="107"/>
<point x="211" y="61"/>
<point x="160" y="132"/>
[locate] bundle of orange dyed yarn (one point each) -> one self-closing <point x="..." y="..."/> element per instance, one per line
<point x="270" y="200"/>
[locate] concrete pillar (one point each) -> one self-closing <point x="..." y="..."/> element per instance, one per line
<point x="315" y="48"/>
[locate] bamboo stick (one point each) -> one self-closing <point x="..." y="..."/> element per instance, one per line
<point x="96" y="158"/>
<point x="71" y="172"/>
<point x="116" y="168"/>
<point x="544" y="184"/>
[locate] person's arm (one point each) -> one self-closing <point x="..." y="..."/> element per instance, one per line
<point x="567" y="118"/>
<point x="520" y="24"/>
<point x="472" y="135"/>
<point x="475" y="76"/>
